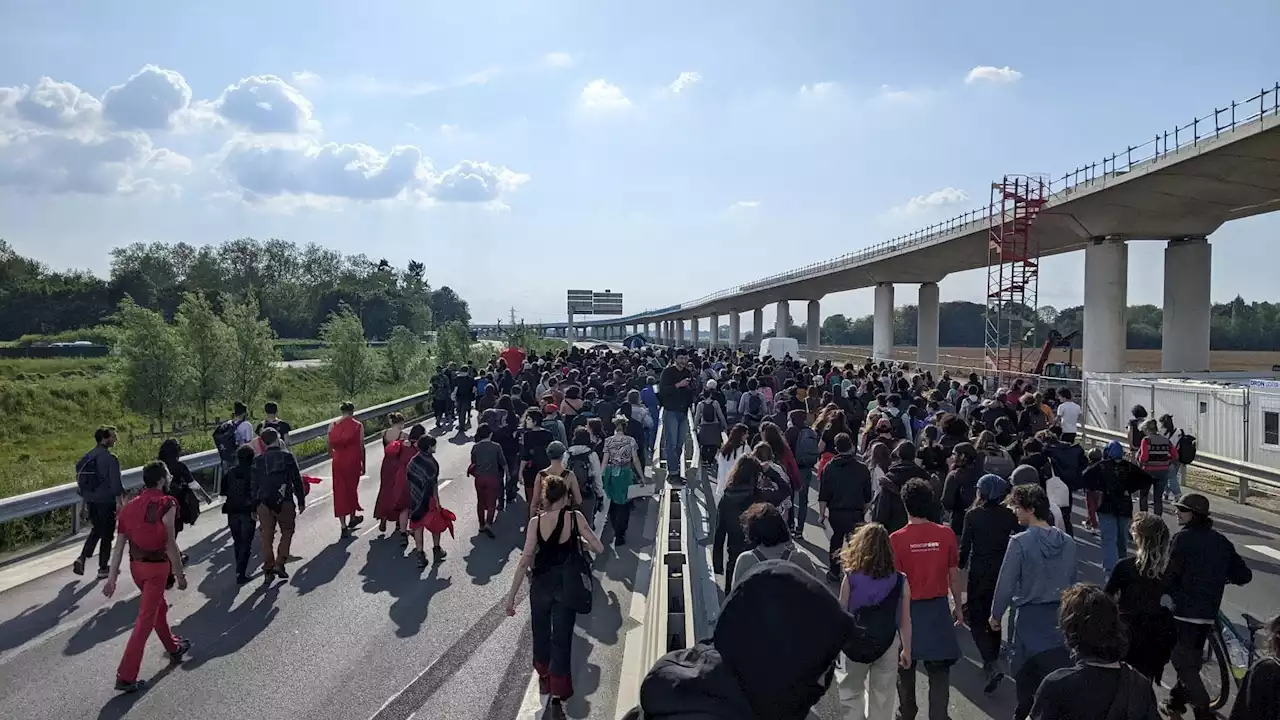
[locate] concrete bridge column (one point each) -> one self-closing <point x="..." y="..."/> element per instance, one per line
<point x="813" y="325"/>
<point x="927" y="325"/>
<point x="735" y="329"/>
<point x="715" y="329"/>
<point x="882" y="328"/>
<point x="782" y="326"/>
<point x="680" y="337"/>
<point x="1106" y="296"/>
<point x="1188" y="263"/>
<point x="757" y="325"/>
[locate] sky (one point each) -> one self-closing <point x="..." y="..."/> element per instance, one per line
<point x="665" y="150"/>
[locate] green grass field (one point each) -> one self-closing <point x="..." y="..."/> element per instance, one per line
<point x="51" y="408"/>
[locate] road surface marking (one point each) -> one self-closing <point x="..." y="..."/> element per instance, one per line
<point x="1264" y="550"/>
<point x="534" y="703"/>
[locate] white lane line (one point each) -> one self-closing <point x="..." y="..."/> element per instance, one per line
<point x="534" y="703"/>
<point x="1264" y="550"/>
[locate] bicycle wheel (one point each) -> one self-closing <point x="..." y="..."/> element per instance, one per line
<point x="1214" y="671"/>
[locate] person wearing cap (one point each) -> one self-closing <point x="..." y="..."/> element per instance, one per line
<point x="1202" y="562"/>
<point x="987" y="527"/>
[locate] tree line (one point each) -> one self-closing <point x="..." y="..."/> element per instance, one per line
<point x="1235" y="325"/>
<point x="295" y="288"/>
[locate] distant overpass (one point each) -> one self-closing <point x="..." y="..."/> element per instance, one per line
<point x="1178" y="188"/>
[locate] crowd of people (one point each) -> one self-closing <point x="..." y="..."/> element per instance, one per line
<point x="947" y="506"/>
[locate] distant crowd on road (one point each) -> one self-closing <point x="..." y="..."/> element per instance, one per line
<point x="947" y="505"/>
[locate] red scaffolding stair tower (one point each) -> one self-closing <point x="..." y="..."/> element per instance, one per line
<point x="1013" y="270"/>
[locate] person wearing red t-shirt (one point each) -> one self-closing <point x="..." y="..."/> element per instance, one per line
<point x="146" y="524"/>
<point x="928" y="555"/>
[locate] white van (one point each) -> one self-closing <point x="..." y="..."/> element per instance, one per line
<point x="778" y="348"/>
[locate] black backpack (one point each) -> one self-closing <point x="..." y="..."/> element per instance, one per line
<point x="755" y="406"/>
<point x="224" y="440"/>
<point x="1186" y="449"/>
<point x="807" y="454"/>
<point x="875" y="627"/>
<point x="580" y="465"/>
<point x="87" y="477"/>
<point x="896" y="426"/>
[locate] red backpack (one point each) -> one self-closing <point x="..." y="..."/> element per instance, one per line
<point x="144" y="516"/>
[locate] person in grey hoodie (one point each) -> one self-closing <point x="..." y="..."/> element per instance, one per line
<point x="99" y="485"/>
<point x="1039" y="564"/>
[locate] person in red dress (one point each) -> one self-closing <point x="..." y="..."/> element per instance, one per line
<point x="346" y="451"/>
<point x="393" y="493"/>
<point x="146" y="526"/>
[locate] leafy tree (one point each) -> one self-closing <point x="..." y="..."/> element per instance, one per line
<point x="453" y="344"/>
<point x="349" y="360"/>
<point x="254" y="353"/>
<point x="207" y="342"/>
<point x="447" y="307"/>
<point x="404" y="349"/>
<point x="153" y="363"/>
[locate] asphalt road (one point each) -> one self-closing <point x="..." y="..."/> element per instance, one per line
<point x="357" y="632"/>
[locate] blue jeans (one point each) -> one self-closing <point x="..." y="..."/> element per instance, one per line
<point x="675" y="425"/>
<point x="1115" y="540"/>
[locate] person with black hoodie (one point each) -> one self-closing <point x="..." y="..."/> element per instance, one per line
<point x="901" y="470"/>
<point x="988" y="526"/>
<point x="771" y="656"/>
<point x="1099" y="686"/>
<point x="239" y="507"/>
<point x="961" y="486"/>
<point x="1202" y="562"/>
<point x="843" y="493"/>
<point x="739" y="494"/>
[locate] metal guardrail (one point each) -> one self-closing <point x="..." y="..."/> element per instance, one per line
<point x="64" y="496"/>
<point x="1117" y="164"/>
<point x="1247" y="475"/>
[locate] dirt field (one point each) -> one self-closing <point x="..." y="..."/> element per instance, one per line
<point x="1138" y="359"/>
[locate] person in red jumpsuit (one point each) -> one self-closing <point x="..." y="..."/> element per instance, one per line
<point x="146" y="525"/>
<point x="346" y="451"/>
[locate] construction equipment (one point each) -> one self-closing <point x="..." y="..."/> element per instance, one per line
<point x="1055" y="340"/>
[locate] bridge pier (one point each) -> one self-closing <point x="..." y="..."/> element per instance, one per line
<point x="813" y="325"/>
<point x="1188" y="265"/>
<point x="680" y="332"/>
<point x="735" y="329"/>
<point x="927" y="325"/>
<point x="1106" y="295"/>
<point x="757" y="325"/>
<point x="715" y="330"/>
<point x="782" y="325"/>
<point x="882" y="328"/>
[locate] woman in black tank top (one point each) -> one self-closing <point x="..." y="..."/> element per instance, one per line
<point x="552" y="537"/>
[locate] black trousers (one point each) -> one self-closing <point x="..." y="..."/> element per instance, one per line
<point x="552" y="637"/>
<point x="843" y="523"/>
<point x="1188" y="653"/>
<point x="242" y="528"/>
<point x="1032" y="673"/>
<point x="619" y="519"/>
<point x="939" y="674"/>
<point x="102" y="530"/>
<point x="978" y="615"/>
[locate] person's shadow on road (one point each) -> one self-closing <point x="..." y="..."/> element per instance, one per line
<point x="323" y="568"/>
<point x="37" y="619"/>
<point x="119" y="706"/>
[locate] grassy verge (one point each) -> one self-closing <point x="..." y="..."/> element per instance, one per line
<point x="53" y="406"/>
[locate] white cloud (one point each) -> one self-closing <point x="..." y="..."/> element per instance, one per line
<point x="685" y="81"/>
<point x="602" y="96"/>
<point x="935" y="199"/>
<point x="148" y="100"/>
<point x="266" y="104"/>
<point x="745" y="205"/>
<point x="557" y="60"/>
<point x="991" y="74"/>
<point x="53" y="104"/>
<point x="35" y="161"/>
<point x="306" y="79"/>
<point x="472" y="182"/>
<point x="818" y="90"/>
<point x="322" y="175"/>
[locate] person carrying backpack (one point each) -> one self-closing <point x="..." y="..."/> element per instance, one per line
<point x="230" y="435"/>
<point x="582" y="461"/>
<point x="711" y="425"/>
<point x="146" y="525"/>
<point x="766" y="532"/>
<point x="1183" y="453"/>
<point x="99" y="485"/>
<point x="806" y="447"/>
<point x="1031" y="417"/>
<point x="1155" y="453"/>
<point x="899" y="423"/>
<point x="879" y="599"/>
<point x="753" y="406"/>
